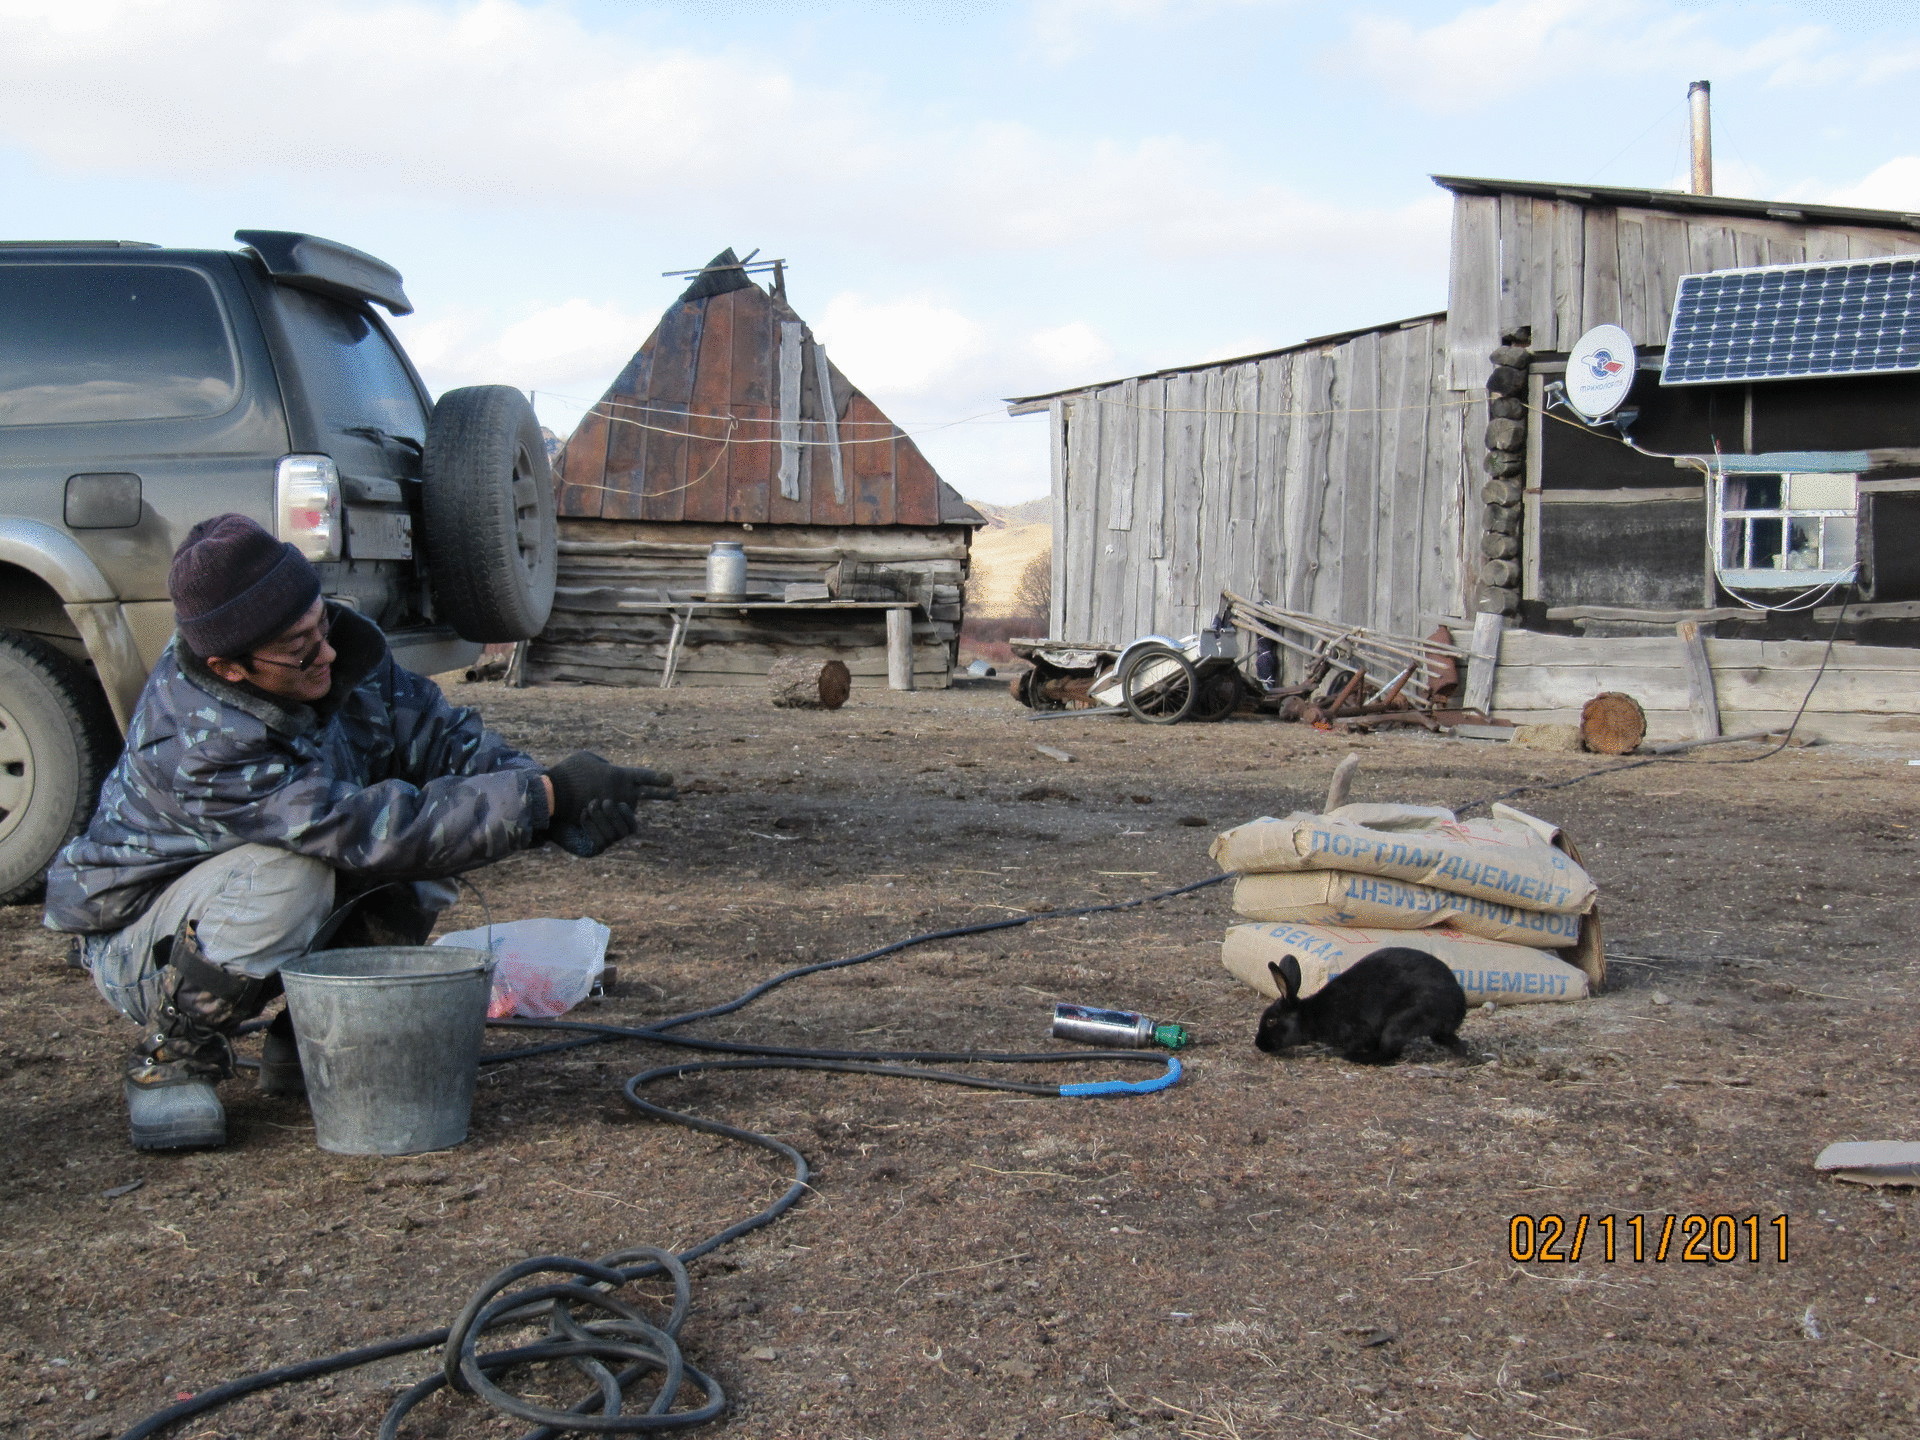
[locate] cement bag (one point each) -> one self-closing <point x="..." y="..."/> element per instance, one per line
<point x="542" y="968"/>
<point x="1509" y="858"/>
<point x="1335" y="897"/>
<point x="1486" y="969"/>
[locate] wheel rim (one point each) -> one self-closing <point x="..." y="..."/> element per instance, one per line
<point x="526" y="513"/>
<point x="1159" y="687"/>
<point x="16" y="773"/>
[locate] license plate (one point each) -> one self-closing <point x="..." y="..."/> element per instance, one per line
<point x="379" y="534"/>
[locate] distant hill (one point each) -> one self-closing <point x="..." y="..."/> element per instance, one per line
<point x="1012" y="537"/>
<point x="1027" y="512"/>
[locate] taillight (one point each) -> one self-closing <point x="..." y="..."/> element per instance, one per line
<point x="306" y="505"/>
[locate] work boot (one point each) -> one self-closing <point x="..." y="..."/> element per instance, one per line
<point x="171" y="1100"/>
<point x="280" y="1072"/>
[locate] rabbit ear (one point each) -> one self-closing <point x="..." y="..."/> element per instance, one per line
<point x="1287" y="976"/>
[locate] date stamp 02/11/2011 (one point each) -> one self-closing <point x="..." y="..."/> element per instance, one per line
<point x="1640" y="1239"/>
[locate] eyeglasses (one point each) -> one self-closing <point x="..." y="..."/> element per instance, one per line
<point x="306" y="662"/>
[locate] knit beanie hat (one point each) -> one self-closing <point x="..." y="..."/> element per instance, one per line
<point x="234" y="586"/>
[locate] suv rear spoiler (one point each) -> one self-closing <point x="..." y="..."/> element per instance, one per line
<point x="311" y="263"/>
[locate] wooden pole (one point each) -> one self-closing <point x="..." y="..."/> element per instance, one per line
<point x="1485" y="651"/>
<point x="900" y="647"/>
<point x="1701" y="699"/>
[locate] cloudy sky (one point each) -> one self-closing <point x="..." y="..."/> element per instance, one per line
<point x="978" y="198"/>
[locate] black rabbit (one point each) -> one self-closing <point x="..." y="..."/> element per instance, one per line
<point x="1370" y="1012"/>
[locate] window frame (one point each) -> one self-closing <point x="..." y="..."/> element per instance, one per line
<point x="1767" y="577"/>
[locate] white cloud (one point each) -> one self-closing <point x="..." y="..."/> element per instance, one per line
<point x="1483" y="56"/>
<point x="1063" y="30"/>
<point x="1892" y="186"/>
<point x="1070" y="352"/>
<point x="476" y="104"/>
<point x="905" y="345"/>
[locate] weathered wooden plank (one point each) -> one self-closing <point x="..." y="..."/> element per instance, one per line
<point x="1473" y="288"/>
<point x="579" y="480"/>
<point x="1410" y="477"/>
<point x="1081" y="499"/>
<point x="750" y="462"/>
<point x="707" y="423"/>
<point x="1185" y="497"/>
<point x="1111" y="429"/>
<point x="1267" y="580"/>
<point x="1601" y="302"/>
<point x="1636" y="316"/>
<point x="661" y="490"/>
<point x="1357" y="473"/>
<point x="1824" y="243"/>
<point x="1701" y="699"/>
<point x="1059" y="418"/>
<point x="1569" y="265"/>
<point x="630" y="422"/>
<point x="1242" y="569"/>
<point x="871" y="471"/>
<point x="1486" y="665"/>
<point x="1520" y="282"/>
<point x="830" y="417"/>
<point x="788" y="386"/>
<point x="1663" y="262"/>
<point x="1150" y="492"/>
<point x="916" y="488"/>
<point x="1118" y="427"/>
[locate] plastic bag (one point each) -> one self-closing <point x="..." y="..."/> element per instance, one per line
<point x="542" y="968"/>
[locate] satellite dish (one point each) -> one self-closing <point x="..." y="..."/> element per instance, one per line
<point x="1600" y="371"/>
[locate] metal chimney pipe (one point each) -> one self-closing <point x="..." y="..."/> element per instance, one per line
<point x="1700" y="103"/>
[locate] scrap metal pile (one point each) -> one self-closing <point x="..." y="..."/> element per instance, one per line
<point x="1285" y="662"/>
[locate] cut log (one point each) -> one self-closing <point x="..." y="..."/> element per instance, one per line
<point x="1612" y="724"/>
<point x="797" y="683"/>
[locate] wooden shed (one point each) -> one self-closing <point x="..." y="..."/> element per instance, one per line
<point x="731" y="424"/>
<point x="1420" y="472"/>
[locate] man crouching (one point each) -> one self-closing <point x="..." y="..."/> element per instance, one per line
<point x="282" y="774"/>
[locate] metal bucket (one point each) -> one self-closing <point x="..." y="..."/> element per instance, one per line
<point x="390" y="1044"/>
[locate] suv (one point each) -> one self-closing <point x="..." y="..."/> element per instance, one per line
<point x="144" y="389"/>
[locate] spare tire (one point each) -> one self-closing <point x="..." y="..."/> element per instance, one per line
<point x="57" y="742"/>
<point x="487" y="509"/>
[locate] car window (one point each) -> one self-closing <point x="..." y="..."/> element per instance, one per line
<point x="111" y="342"/>
<point x="352" y="372"/>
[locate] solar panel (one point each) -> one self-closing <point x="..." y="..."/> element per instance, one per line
<point x="1788" y="322"/>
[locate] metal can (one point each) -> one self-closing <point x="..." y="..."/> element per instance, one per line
<point x="1114" y="1029"/>
<point x="726" y="570"/>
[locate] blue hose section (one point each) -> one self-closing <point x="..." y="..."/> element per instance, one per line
<point x="1128" y="1087"/>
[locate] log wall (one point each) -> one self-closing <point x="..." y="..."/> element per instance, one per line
<point x="1868" y="692"/>
<point x="598" y="634"/>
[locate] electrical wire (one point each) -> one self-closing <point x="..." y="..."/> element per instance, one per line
<point x="624" y="1337"/>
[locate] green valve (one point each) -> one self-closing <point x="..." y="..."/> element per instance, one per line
<point x="1171" y="1036"/>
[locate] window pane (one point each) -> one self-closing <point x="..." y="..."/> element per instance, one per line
<point x="111" y="342"/>
<point x="1820" y="492"/>
<point x="351" y="371"/>
<point x="1733" y="544"/>
<point x="1803" y="543"/>
<point x="1766" y="545"/>
<point x="1839" y="547"/>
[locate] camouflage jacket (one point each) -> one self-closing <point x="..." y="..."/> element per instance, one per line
<point x="382" y="777"/>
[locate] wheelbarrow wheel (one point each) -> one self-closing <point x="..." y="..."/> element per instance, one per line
<point x="1159" y="686"/>
<point x="1219" y="694"/>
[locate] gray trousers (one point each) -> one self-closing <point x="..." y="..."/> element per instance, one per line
<point x="254" y="908"/>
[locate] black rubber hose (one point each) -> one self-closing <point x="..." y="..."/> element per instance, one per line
<point x="629" y="1337"/>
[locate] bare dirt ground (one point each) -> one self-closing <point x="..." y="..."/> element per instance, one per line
<point x="1276" y="1247"/>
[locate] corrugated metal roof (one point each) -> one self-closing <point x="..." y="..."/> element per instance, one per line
<point x="1014" y="402"/>
<point x="1681" y="202"/>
